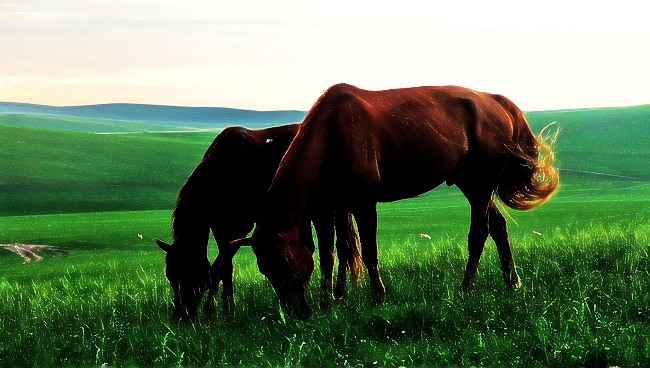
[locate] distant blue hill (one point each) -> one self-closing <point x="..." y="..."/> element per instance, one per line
<point x="114" y="118"/>
<point x="199" y="117"/>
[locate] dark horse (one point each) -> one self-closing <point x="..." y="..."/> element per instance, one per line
<point x="357" y="147"/>
<point x="224" y="194"/>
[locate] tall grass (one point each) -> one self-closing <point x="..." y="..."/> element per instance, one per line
<point x="585" y="301"/>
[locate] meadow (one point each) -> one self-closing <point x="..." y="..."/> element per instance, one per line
<point x="583" y="259"/>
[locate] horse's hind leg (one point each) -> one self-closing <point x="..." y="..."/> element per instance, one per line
<point x="342" y="251"/>
<point x="324" y="224"/>
<point x="367" y="224"/>
<point x="499" y="233"/>
<point x="478" y="231"/>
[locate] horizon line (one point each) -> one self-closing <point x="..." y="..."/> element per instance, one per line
<point x="146" y="104"/>
<point x="278" y="110"/>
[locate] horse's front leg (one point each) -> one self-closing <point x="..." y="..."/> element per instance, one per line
<point x="209" y="306"/>
<point x="225" y="271"/>
<point x="324" y="224"/>
<point x="367" y="224"/>
<point x="223" y="268"/>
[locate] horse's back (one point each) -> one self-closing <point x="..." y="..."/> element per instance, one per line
<point x="237" y="169"/>
<point x="404" y="142"/>
<point x="242" y="146"/>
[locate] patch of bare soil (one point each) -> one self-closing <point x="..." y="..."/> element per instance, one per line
<point x="34" y="252"/>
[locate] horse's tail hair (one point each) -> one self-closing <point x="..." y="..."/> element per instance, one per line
<point x="354" y="264"/>
<point x="529" y="178"/>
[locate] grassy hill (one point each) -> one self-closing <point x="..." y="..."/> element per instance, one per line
<point x="87" y="125"/>
<point x="608" y="140"/>
<point x="47" y="171"/>
<point x="170" y="117"/>
<point x="60" y="172"/>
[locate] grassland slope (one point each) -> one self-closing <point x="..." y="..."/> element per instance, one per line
<point x="61" y="172"/>
<point x="213" y="117"/>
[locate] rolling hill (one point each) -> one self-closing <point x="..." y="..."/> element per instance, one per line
<point x="139" y="117"/>
<point x="46" y="171"/>
<point x="605" y="140"/>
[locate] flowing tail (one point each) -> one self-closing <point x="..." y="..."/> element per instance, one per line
<point x="529" y="178"/>
<point x="354" y="263"/>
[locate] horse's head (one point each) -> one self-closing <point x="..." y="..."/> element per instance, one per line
<point x="288" y="266"/>
<point x="188" y="275"/>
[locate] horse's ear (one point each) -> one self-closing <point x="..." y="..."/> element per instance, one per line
<point x="164" y="246"/>
<point x="243" y="242"/>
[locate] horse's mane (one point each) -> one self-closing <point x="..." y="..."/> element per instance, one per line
<point x="194" y="195"/>
<point x="188" y="201"/>
<point x="191" y="196"/>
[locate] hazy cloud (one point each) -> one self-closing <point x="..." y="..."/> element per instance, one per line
<point x="282" y="54"/>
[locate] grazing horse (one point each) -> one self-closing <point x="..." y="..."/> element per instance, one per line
<point x="224" y="194"/>
<point x="357" y="147"/>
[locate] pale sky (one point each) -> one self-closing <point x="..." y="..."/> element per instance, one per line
<point x="270" y="55"/>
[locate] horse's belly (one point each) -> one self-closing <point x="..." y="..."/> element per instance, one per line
<point x="418" y="162"/>
<point x="408" y="182"/>
<point x="391" y="194"/>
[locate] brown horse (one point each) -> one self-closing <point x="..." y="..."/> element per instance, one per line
<point x="357" y="147"/>
<point x="224" y="194"/>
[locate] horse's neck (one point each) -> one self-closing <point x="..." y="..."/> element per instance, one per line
<point x="190" y="226"/>
<point x="290" y="191"/>
<point x="191" y="232"/>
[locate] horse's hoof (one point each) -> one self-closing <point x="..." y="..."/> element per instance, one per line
<point x="513" y="282"/>
<point x="209" y="308"/>
<point x="299" y="312"/>
<point x="326" y="302"/>
<point x="379" y="298"/>
<point x="517" y="285"/>
<point x="467" y="285"/>
<point x="339" y="293"/>
<point x="228" y="307"/>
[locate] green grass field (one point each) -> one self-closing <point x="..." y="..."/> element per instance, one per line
<point x="585" y="300"/>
